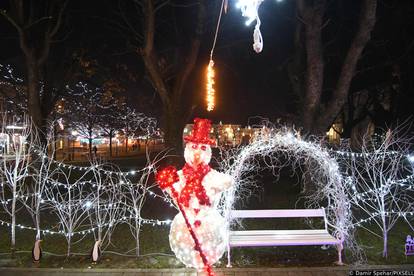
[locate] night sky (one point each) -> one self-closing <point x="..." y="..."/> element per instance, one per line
<point x="248" y="84"/>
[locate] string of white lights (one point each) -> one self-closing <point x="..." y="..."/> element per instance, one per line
<point x="374" y="215"/>
<point x="359" y="195"/>
<point x="86" y="203"/>
<point x="152" y="222"/>
<point x="360" y="154"/>
<point x="82" y="168"/>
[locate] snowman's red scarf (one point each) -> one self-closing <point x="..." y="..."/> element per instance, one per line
<point x="193" y="184"/>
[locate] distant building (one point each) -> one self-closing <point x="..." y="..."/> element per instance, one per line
<point x="334" y="133"/>
<point x="11" y="139"/>
<point x="235" y="134"/>
<point x="228" y="134"/>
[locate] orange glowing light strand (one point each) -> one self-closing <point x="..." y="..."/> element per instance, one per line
<point x="210" y="86"/>
<point x="210" y="91"/>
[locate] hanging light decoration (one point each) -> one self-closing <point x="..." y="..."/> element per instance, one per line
<point x="250" y="9"/>
<point x="210" y="96"/>
<point x="210" y="86"/>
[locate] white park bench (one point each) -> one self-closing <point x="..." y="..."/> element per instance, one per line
<point x="260" y="238"/>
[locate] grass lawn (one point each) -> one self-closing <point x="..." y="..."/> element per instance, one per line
<point x="157" y="254"/>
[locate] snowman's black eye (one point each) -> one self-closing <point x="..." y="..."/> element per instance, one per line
<point x="203" y="147"/>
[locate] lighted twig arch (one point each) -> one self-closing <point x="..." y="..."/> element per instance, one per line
<point x="319" y="167"/>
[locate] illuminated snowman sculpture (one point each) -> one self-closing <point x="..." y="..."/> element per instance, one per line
<point x="197" y="235"/>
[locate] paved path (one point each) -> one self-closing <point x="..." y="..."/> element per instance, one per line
<point x="293" y="271"/>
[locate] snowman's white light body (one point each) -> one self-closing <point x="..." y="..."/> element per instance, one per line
<point x="211" y="231"/>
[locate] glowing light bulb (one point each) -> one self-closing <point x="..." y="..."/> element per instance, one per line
<point x="88" y="204"/>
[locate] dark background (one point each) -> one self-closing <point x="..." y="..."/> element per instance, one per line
<point x="247" y="84"/>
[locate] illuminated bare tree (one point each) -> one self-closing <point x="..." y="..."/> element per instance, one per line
<point x="106" y="209"/>
<point x="12" y="91"/>
<point x="15" y="163"/>
<point x="135" y="195"/>
<point x="33" y="192"/>
<point x="70" y="200"/>
<point x="110" y="111"/>
<point x="377" y="186"/>
<point x="38" y="26"/>
<point x="81" y="112"/>
<point x="136" y="123"/>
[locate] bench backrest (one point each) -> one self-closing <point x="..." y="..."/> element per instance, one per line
<point x="281" y="213"/>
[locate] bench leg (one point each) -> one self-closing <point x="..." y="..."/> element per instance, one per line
<point x="339" y="248"/>
<point x="228" y="256"/>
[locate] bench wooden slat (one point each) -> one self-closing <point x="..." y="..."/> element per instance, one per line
<point x="278" y="232"/>
<point x="236" y="241"/>
<point x="285" y="213"/>
<point x="282" y="237"/>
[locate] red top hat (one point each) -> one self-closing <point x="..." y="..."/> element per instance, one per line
<point x="200" y="133"/>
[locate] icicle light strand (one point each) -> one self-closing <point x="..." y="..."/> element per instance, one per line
<point x="210" y="86"/>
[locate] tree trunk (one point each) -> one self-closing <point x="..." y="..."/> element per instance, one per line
<point x="170" y="94"/>
<point x="126" y="140"/>
<point x="385" y="237"/>
<point x="334" y="106"/>
<point x="110" y="145"/>
<point x="13" y="222"/>
<point x="312" y="16"/>
<point x="55" y="142"/>
<point x="316" y="116"/>
<point x="173" y="130"/>
<point x="69" y="240"/>
<point x="33" y="97"/>
<point x="98" y="212"/>
<point x="384" y="229"/>
<point x="295" y="67"/>
<point x="137" y="230"/>
<point x="90" y="145"/>
<point x="385" y="245"/>
<point x="37" y="224"/>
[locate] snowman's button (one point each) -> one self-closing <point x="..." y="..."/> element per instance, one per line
<point x="197" y="223"/>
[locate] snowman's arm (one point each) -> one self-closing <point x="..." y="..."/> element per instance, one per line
<point x="177" y="185"/>
<point x="227" y="181"/>
<point x="221" y="181"/>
